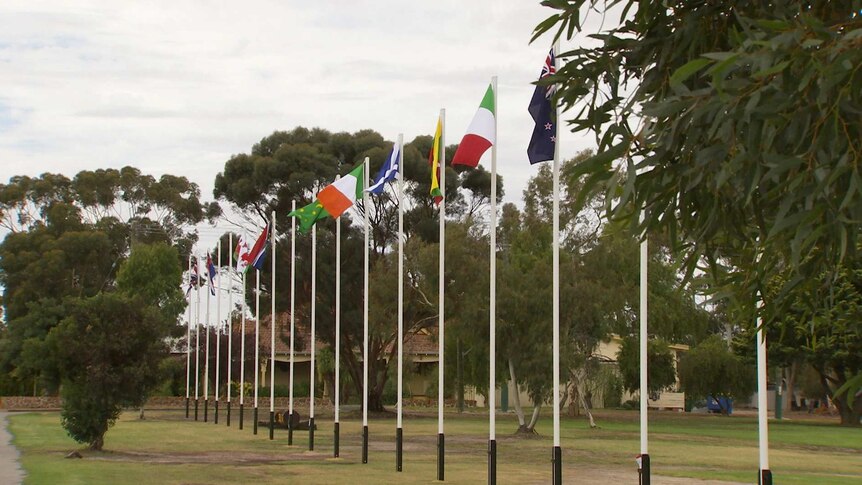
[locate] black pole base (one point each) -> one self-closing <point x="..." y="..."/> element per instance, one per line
<point x="196" y="409"/>
<point x="255" y="420"/>
<point x="311" y="433"/>
<point x="187" y="408"/>
<point x="365" y="444"/>
<point x="290" y="430"/>
<point x="558" y="466"/>
<point x="335" y="440"/>
<point x="215" y="413"/>
<point x="441" y="453"/>
<point x="206" y="409"/>
<point x="492" y="462"/>
<point x="272" y="425"/>
<point x="241" y="415"/>
<point x="645" y="469"/>
<point x="228" y="413"/>
<point x="765" y="477"/>
<point x="399" y="449"/>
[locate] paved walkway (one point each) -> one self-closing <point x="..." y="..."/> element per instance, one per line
<point x="10" y="471"/>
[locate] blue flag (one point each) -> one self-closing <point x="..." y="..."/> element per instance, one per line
<point x="544" y="139"/>
<point x="387" y="172"/>
<point x="211" y="272"/>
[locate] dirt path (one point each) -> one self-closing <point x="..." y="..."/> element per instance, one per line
<point x="10" y="471"/>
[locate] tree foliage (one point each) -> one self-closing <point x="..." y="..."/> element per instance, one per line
<point x="741" y="120"/>
<point x="661" y="372"/>
<point x="67" y="239"/>
<point x="712" y="369"/>
<point x="823" y="327"/>
<point x="109" y="346"/>
<point x="295" y="165"/>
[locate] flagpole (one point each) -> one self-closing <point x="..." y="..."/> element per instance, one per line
<point x="207" y="344"/>
<point x="242" y="355"/>
<point x="218" y="330"/>
<point x="441" y="440"/>
<point x="229" y="320"/>
<point x="365" y="200"/>
<point x="292" y="321"/>
<point x="765" y="476"/>
<point x="189" y="340"/>
<point x="272" y="336"/>
<point x="492" y="313"/>
<point x="197" y="339"/>
<point x="256" y="345"/>
<point x="399" y="431"/>
<point x="558" y="453"/>
<point x="644" y="384"/>
<point x="337" y="331"/>
<point x="313" y="341"/>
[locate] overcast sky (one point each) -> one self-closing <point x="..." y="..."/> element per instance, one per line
<point x="179" y="86"/>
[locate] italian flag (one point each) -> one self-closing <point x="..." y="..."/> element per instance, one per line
<point x="481" y="134"/>
<point x="333" y="200"/>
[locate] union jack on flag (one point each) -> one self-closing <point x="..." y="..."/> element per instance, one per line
<point x="549" y="69"/>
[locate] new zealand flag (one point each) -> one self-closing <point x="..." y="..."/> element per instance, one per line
<point x="544" y="139"/>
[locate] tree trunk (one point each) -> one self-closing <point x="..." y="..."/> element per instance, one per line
<point x="531" y="428"/>
<point x="98" y="443"/>
<point x="790" y="392"/>
<point x="587" y="411"/>
<point x="849" y="416"/>
<point x="516" y="398"/>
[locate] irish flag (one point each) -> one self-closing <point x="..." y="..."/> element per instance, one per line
<point x="333" y="200"/>
<point x="481" y="134"/>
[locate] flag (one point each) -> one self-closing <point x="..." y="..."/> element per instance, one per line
<point x="481" y="134"/>
<point x="434" y="161"/>
<point x="258" y="251"/>
<point x="241" y="253"/>
<point x="333" y="200"/>
<point x="211" y="272"/>
<point x="387" y="172"/>
<point x="544" y="139"/>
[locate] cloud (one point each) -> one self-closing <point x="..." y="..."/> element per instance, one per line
<point x="180" y="86"/>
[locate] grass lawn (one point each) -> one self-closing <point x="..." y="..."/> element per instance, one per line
<point x="167" y="449"/>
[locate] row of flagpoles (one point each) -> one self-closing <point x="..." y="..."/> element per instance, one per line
<point x="341" y="195"/>
<point x="334" y="200"/>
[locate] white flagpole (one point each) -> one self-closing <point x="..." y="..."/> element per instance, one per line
<point x="242" y="355"/>
<point x="229" y="320"/>
<point x="292" y="320"/>
<point x="218" y="330"/>
<point x="440" y="293"/>
<point x="256" y="345"/>
<point x="207" y="344"/>
<point x="558" y="466"/>
<point x="365" y="200"/>
<point x="197" y="339"/>
<point x="644" y="383"/>
<point x="762" y="426"/>
<point x="313" y="341"/>
<point x="272" y="335"/>
<point x="492" y="308"/>
<point x="189" y="342"/>
<point x="399" y="431"/>
<point x="337" y="331"/>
